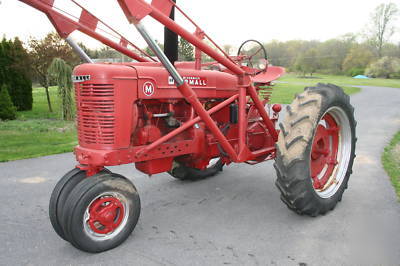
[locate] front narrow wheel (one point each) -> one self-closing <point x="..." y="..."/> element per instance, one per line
<point x="60" y="193"/>
<point x="101" y="212"/>
<point x="316" y="150"/>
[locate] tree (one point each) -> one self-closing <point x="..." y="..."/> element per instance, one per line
<point x="307" y="62"/>
<point x="391" y="50"/>
<point x="358" y="58"/>
<point x="15" y="73"/>
<point x="382" y="27"/>
<point x="107" y="52"/>
<point x="298" y="47"/>
<point x="42" y="54"/>
<point x="185" y="50"/>
<point x="150" y="52"/>
<point x="61" y="72"/>
<point x="90" y="52"/>
<point x="277" y="53"/>
<point x="7" y="109"/>
<point x="333" y="52"/>
<point x="396" y="69"/>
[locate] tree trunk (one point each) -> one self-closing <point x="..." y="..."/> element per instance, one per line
<point x="48" y="99"/>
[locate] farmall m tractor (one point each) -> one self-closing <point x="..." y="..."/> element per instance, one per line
<point x="188" y="119"/>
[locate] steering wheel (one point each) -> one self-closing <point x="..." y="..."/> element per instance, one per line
<point x="252" y="54"/>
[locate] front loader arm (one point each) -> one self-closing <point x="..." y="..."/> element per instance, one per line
<point x="86" y="24"/>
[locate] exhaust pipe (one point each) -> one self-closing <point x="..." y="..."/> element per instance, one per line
<point x="171" y="41"/>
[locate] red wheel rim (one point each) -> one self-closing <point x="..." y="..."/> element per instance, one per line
<point x="324" y="152"/>
<point x="105" y="215"/>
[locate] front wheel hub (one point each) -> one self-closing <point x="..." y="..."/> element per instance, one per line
<point x="105" y="215"/>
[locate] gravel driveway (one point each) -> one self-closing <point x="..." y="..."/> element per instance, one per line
<point x="235" y="218"/>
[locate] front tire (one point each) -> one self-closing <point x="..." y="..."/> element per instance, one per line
<point x="60" y="193"/>
<point x="316" y="150"/>
<point x="101" y="212"/>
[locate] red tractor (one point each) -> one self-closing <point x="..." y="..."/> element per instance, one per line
<point x="188" y="119"/>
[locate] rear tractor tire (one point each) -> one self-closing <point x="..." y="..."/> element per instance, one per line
<point x="316" y="150"/>
<point x="101" y="212"/>
<point x="183" y="172"/>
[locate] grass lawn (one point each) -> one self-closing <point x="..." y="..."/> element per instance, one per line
<point x="40" y="108"/>
<point x="391" y="162"/>
<point x="290" y="84"/>
<point x="37" y="132"/>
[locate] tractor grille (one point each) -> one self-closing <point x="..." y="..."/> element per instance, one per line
<point x="96" y="121"/>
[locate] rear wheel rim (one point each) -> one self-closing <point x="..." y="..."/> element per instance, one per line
<point x="106" y="216"/>
<point x="330" y="152"/>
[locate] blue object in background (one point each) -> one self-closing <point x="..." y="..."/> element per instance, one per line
<point x="360" y="77"/>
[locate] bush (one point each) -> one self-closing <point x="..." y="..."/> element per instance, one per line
<point x="355" y="71"/>
<point x="356" y="60"/>
<point x="14" y="71"/>
<point x="20" y="90"/>
<point x="7" y="109"/>
<point x="396" y="69"/>
<point x="386" y="67"/>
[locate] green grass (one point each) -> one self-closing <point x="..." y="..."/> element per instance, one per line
<point x="342" y="80"/>
<point x="391" y="162"/>
<point x="290" y="84"/>
<point x="40" y="108"/>
<point x="284" y="92"/>
<point x="37" y="132"/>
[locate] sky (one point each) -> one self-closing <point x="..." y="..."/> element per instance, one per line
<point x="226" y="21"/>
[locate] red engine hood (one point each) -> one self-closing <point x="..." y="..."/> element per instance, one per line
<point x="196" y="78"/>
